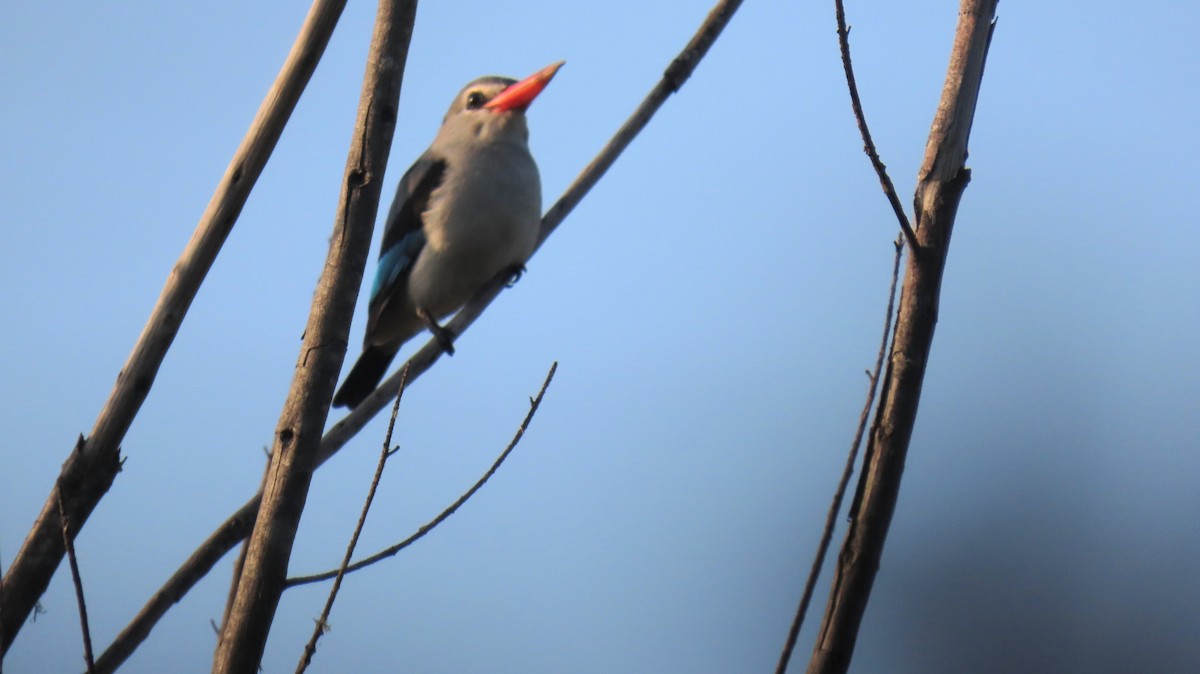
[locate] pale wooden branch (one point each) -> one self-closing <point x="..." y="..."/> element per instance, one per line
<point x="326" y="336"/>
<point x="237" y="526"/>
<point x="322" y="622"/>
<point x="534" y="403"/>
<point x="92" y="466"/>
<point x="941" y="181"/>
<point x="835" y="507"/>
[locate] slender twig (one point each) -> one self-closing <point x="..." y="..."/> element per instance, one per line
<point x="534" y="403"/>
<point x="843" y="32"/>
<point x="237" y="526"/>
<point x="91" y="469"/>
<point x="869" y="145"/>
<point x="69" y="545"/>
<point x="322" y="625"/>
<point x="834" y="508"/>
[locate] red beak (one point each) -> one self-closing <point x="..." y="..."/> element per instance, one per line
<point x="521" y="94"/>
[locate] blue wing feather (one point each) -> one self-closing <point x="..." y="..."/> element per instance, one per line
<point x="404" y="234"/>
<point x="396" y="261"/>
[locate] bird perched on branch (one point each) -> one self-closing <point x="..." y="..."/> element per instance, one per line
<point x="468" y="210"/>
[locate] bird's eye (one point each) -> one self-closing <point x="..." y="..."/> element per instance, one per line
<point x="475" y="100"/>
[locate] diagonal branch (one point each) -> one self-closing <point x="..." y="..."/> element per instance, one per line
<point x="92" y="466"/>
<point x="237" y="526"/>
<point x="941" y="182"/>
<point x="534" y="403"/>
<point x="298" y="433"/>
<point x="868" y="144"/>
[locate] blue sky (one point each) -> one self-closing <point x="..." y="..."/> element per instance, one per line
<point x="712" y="305"/>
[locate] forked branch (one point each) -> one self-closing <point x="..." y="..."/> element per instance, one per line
<point x="941" y="181"/>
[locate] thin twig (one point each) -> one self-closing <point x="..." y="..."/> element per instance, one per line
<point x="237" y="526"/>
<point x="835" y="507"/>
<point x="323" y="622"/>
<point x="534" y="403"/>
<point x="868" y="144"/>
<point x="843" y="32"/>
<point x="69" y="545"/>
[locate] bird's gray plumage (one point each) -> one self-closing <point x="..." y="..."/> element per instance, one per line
<point x="468" y="210"/>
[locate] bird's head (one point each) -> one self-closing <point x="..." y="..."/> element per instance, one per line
<point x="495" y="104"/>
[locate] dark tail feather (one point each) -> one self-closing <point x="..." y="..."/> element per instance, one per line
<point x="364" y="376"/>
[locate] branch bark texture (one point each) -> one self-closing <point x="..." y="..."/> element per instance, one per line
<point x="298" y="433"/>
<point x="941" y="181"/>
<point x="93" y="464"/>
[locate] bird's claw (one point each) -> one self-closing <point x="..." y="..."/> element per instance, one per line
<point x="514" y="274"/>
<point x="444" y="336"/>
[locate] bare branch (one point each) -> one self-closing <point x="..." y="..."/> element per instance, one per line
<point x="298" y="433"/>
<point x="534" y="403"/>
<point x="78" y="582"/>
<point x="835" y="507"/>
<point x="941" y="182"/>
<point x="869" y="145"/>
<point x="322" y="622"/>
<point x="237" y="526"/>
<point x="94" y="463"/>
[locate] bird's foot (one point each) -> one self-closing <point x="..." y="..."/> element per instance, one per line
<point x="514" y="274"/>
<point x="445" y="336"/>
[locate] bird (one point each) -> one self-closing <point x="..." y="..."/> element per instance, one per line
<point x="468" y="210"/>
